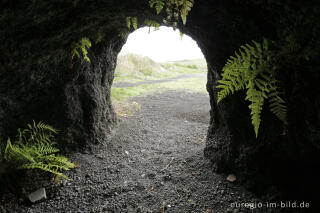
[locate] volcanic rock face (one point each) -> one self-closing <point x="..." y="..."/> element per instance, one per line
<point x="38" y="83"/>
<point x="89" y="111"/>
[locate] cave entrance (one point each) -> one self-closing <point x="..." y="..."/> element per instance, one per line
<point x="159" y="94"/>
<point x="157" y="60"/>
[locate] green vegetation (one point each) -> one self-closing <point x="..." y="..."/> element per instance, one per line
<point x="34" y="148"/>
<point x="192" y="84"/>
<point x="252" y="69"/>
<point x="173" y="8"/>
<point x="152" y="23"/>
<point x="134" y="68"/>
<point x="124" y="107"/>
<point x="82" y="47"/>
<point x="121" y="94"/>
<point x="132" y="21"/>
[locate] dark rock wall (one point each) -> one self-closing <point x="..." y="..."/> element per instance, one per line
<point x="36" y="81"/>
<point x="280" y="159"/>
<point x="88" y="107"/>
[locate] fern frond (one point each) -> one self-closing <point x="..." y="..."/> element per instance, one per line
<point x="59" y="160"/>
<point x="128" y="21"/>
<point x="35" y="149"/>
<point x="54" y="169"/>
<point x="158" y="4"/>
<point x="250" y="69"/>
<point x="42" y="126"/>
<point x="277" y="104"/>
<point x="152" y="23"/>
<point x="16" y="155"/>
<point x="232" y="76"/>
<point x="83" y="45"/>
<point x="45" y="149"/>
<point x="134" y="22"/>
<point x="257" y="100"/>
<point x="186" y="7"/>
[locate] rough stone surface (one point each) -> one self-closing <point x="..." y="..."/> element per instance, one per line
<point x="153" y="163"/>
<point x="37" y="83"/>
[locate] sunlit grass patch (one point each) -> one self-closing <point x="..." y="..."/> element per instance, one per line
<point x="121" y="94"/>
<point x="192" y="84"/>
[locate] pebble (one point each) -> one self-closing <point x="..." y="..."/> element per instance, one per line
<point x="231" y="178"/>
<point x="110" y="182"/>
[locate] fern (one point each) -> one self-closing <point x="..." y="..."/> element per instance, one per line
<point x="174" y="9"/>
<point x="34" y="149"/>
<point x="250" y="69"/>
<point x="157" y="4"/>
<point x="132" y="21"/>
<point x="81" y="47"/>
<point x="276" y="103"/>
<point x="128" y="21"/>
<point x="186" y="7"/>
<point x="152" y="23"/>
<point x="54" y="169"/>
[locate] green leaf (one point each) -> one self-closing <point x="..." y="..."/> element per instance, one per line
<point x="158" y="4"/>
<point x="128" y="21"/>
<point x="78" y="47"/>
<point x="250" y="68"/>
<point x="134" y="22"/>
<point x="35" y="150"/>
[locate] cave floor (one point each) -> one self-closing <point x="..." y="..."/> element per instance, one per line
<point x="153" y="162"/>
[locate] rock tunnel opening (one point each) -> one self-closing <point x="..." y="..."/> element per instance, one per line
<point x="159" y="93"/>
<point x="154" y="61"/>
<point x="37" y="82"/>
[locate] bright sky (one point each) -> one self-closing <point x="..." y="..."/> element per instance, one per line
<point x="162" y="45"/>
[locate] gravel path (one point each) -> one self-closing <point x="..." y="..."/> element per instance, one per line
<point x="128" y="84"/>
<point x="153" y="162"/>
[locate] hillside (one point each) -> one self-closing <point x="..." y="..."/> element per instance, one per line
<point x="131" y="67"/>
<point x="199" y="63"/>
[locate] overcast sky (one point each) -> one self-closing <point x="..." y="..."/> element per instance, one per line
<point x="162" y="45"/>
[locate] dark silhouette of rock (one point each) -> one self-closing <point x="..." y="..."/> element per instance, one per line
<point x="36" y="82"/>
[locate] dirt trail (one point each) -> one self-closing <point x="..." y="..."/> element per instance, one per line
<point x="153" y="162"/>
<point x="128" y="84"/>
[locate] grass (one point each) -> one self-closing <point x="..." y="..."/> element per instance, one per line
<point x="190" y="84"/>
<point x="122" y="94"/>
<point x="195" y="63"/>
<point x="133" y="68"/>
